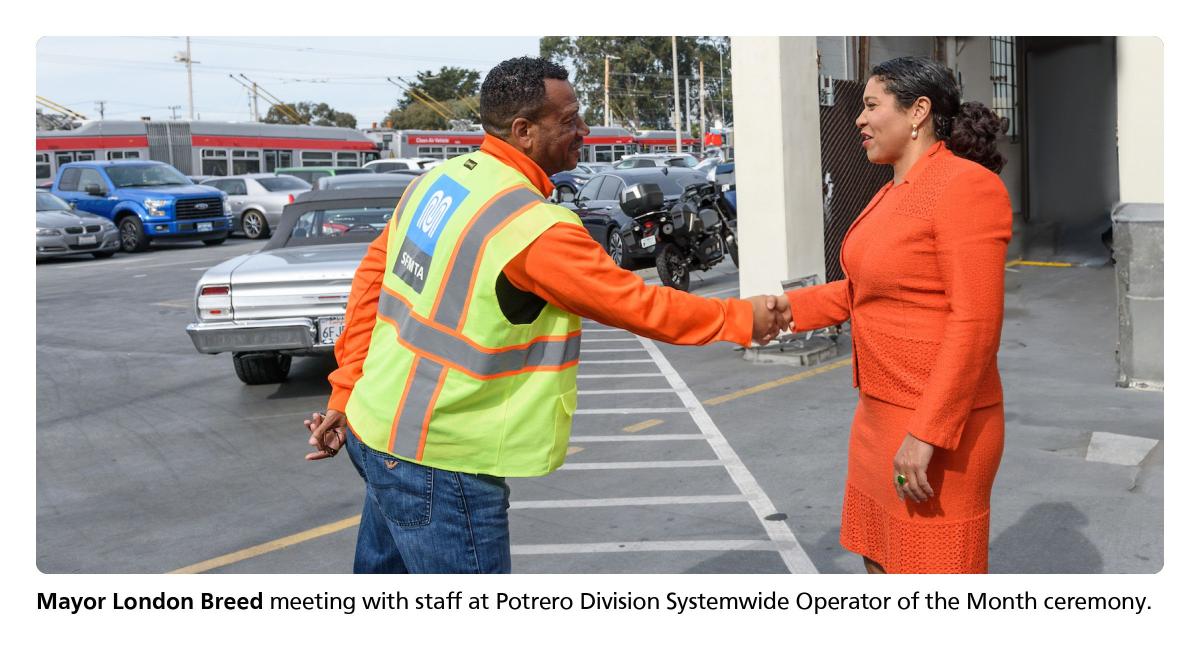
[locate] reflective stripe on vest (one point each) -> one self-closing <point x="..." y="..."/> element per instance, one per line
<point x="450" y="307"/>
<point x="425" y="380"/>
<point x="436" y="342"/>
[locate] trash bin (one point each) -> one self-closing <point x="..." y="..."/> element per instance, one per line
<point x="1138" y="251"/>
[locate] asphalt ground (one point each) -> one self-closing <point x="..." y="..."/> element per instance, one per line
<point x="154" y="458"/>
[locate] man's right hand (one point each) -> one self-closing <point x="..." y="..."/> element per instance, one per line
<point x="768" y="321"/>
<point x="782" y="307"/>
<point x="326" y="433"/>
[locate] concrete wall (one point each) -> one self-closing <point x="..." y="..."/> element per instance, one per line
<point x="1140" y="118"/>
<point x="780" y="221"/>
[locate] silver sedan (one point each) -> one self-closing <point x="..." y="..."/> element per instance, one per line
<point x="64" y="230"/>
<point x="258" y="199"/>
<point x="289" y="298"/>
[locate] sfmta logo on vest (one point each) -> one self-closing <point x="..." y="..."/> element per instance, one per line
<point x="433" y="213"/>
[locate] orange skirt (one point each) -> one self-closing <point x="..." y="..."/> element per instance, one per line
<point x="948" y="534"/>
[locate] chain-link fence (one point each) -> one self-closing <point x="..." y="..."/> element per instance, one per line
<point x="848" y="180"/>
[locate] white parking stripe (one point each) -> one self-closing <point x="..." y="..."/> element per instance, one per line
<point x="634" y="410"/>
<point x="616" y="361"/>
<point x="794" y="557"/>
<point x="612" y="350"/>
<point x="603" y="329"/>
<point x="612" y="438"/>
<point x="620" y="375"/>
<point x="606" y="392"/>
<point x="645" y="546"/>
<point x="716" y="292"/>
<point x="628" y="502"/>
<point x="608" y="340"/>
<point x="615" y="466"/>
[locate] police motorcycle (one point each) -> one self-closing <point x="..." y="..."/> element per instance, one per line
<point x="694" y="232"/>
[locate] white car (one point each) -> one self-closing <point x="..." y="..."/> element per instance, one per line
<point x="401" y="164"/>
<point x="655" y="160"/>
<point x="289" y="298"/>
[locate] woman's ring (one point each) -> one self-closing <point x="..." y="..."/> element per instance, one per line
<point x="900" y="479"/>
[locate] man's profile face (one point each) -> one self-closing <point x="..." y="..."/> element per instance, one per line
<point x="557" y="134"/>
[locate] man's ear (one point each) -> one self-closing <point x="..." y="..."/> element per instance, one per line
<point x="521" y="133"/>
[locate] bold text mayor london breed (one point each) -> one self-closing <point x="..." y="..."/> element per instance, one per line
<point x="676" y="603"/>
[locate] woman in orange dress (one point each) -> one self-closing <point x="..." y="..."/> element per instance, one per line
<point x="924" y="292"/>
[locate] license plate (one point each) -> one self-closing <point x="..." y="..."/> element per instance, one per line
<point x="329" y="329"/>
<point x="649" y="242"/>
<point x="87" y="240"/>
<point x="204" y="227"/>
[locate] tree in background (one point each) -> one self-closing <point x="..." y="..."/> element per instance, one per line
<point x="311" y="114"/>
<point x="641" y="89"/>
<point x="433" y="100"/>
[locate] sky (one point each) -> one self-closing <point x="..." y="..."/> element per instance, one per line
<point x="137" y="76"/>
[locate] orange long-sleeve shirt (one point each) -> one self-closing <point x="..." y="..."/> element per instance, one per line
<point x="566" y="268"/>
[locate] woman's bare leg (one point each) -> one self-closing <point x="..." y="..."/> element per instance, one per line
<point x="872" y="566"/>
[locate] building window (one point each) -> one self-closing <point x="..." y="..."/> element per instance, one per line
<point x="246" y="161"/>
<point x="1004" y="82"/>
<point x="347" y="159"/>
<point x="43" y="166"/>
<point x="214" y="162"/>
<point x="123" y="154"/>
<point x="316" y="158"/>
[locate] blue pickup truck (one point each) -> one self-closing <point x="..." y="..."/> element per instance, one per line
<point x="148" y="200"/>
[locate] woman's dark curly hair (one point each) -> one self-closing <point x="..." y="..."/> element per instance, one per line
<point x="515" y="88"/>
<point x="968" y="128"/>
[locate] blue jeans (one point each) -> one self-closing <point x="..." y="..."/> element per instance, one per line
<point x="418" y="519"/>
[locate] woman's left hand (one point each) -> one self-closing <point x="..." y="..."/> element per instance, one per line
<point x="911" y="461"/>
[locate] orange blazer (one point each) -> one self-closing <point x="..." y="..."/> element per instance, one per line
<point x="924" y="293"/>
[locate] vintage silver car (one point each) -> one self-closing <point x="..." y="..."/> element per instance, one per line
<point x="289" y="298"/>
<point x="64" y="230"/>
<point x="258" y="199"/>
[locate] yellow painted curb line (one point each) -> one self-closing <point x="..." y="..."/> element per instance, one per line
<point x="766" y="386"/>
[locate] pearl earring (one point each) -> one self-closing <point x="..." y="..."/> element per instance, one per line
<point x="914" y="133"/>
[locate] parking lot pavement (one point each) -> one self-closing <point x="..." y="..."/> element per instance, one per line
<point x="153" y="458"/>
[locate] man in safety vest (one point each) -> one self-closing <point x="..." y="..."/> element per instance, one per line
<point x="457" y="365"/>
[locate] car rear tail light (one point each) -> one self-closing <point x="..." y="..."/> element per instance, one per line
<point x="215" y="302"/>
<point x="291" y="199"/>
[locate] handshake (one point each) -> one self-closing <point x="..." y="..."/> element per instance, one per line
<point x="772" y="315"/>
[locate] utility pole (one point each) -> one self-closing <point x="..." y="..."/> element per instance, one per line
<point x="721" y="54"/>
<point x="703" y="125"/>
<point x="174" y="112"/>
<point x="607" y="111"/>
<point x="687" y="103"/>
<point x="255" y="101"/>
<point x="100" y="107"/>
<point x="675" y="79"/>
<point x="186" y="58"/>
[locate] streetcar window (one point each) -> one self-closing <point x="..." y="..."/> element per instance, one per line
<point x="43" y="166"/>
<point x="347" y="159"/>
<point x="214" y="162"/>
<point x="309" y="158"/>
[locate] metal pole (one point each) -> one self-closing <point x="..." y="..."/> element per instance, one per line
<point x="191" y="106"/>
<point x="721" y="54"/>
<point x="703" y="125"/>
<point x="607" y="114"/>
<point x="687" y="104"/>
<point x="255" y="102"/>
<point x="675" y="79"/>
